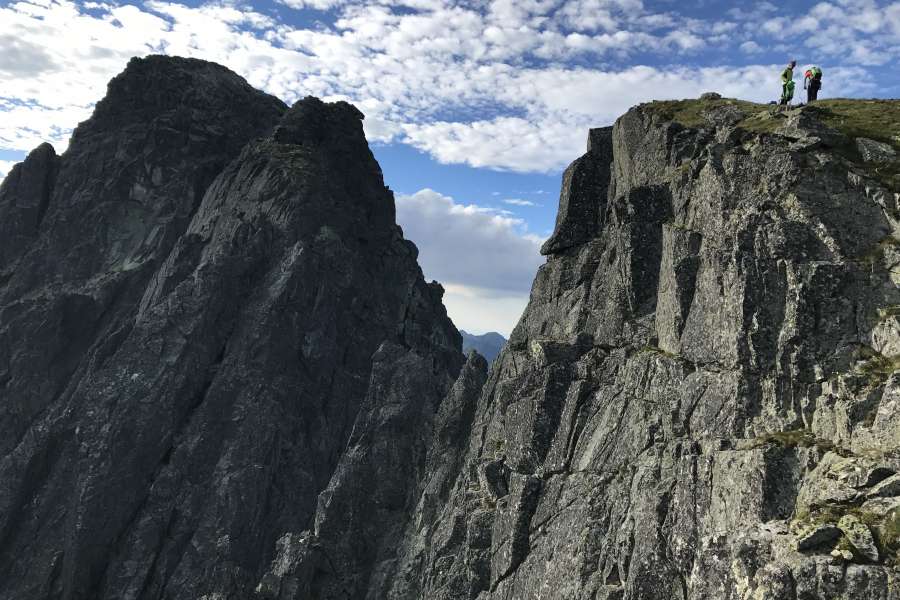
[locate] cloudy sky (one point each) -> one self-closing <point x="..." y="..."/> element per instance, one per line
<point x="473" y="107"/>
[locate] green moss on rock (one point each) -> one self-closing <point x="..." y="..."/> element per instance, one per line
<point x="798" y="438"/>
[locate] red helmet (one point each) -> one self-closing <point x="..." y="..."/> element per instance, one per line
<point x="808" y="73"/>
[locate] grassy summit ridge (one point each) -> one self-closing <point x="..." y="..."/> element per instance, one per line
<point x="877" y="120"/>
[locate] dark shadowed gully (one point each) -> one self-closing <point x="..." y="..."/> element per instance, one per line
<point x="223" y="376"/>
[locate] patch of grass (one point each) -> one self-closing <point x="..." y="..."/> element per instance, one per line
<point x="762" y="121"/>
<point x="878" y="367"/>
<point x="690" y="112"/>
<point x="660" y="351"/>
<point x="885" y="528"/>
<point x="878" y="120"/>
<point x="499" y="446"/>
<point x="797" y="438"/>
<point x="876" y="254"/>
<point x="888" y="312"/>
<point x="889" y="536"/>
<point x="678" y="226"/>
<point x="814" y="518"/>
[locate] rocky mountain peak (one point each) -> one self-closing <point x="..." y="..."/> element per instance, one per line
<point x="203" y="302"/>
<point x="700" y="399"/>
<point x="222" y="374"/>
<point x="181" y="90"/>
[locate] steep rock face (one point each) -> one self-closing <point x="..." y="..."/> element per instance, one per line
<point x="83" y="235"/>
<point x="223" y="376"/>
<point x="204" y="301"/>
<point x="704" y="381"/>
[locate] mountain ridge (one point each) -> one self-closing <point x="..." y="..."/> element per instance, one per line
<point x="487" y="344"/>
<point x="254" y="393"/>
<point x="201" y="258"/>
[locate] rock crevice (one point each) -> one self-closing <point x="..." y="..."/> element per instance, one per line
<point x="223" y="375"/>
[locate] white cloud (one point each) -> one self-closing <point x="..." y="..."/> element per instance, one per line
<point x="5" y="167"/>
<point x="315" y="4"/>
<point x="512" y="143"/>
<point x="854" y="32"/>
<point x="478" y="311"/>
<point x="750" y="47"/>
<point x="490" y="84"/>
<point x="485" y="260"/>
<point x="520" y="202"/>
<point x="469" y="245"/>
<point x="24" y="127"/>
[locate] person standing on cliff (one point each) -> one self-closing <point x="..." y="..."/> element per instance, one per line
<point x="787" y="83"/>
<point x="812" y="83"/>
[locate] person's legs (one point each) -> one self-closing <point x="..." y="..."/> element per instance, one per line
<point x="813" y="91"/>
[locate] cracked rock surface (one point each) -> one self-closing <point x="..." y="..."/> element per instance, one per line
<point x="223" y="376"/>
<point x="204" y="304"/>
<point x="700" y="401"/>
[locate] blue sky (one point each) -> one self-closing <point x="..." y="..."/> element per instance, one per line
<point x="473" y="107"/>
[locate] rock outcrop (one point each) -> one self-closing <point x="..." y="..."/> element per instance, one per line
<point x="700" y="401"/>
<point x="223" y="376"/>
<point x="205" y="304"/>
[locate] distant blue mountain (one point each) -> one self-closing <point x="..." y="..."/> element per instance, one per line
<point x="487" y="345"/>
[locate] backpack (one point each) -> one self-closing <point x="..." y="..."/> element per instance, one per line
<point x="815" y="73"/>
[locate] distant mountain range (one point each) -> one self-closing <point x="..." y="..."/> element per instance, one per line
<point x="487" y="345"/>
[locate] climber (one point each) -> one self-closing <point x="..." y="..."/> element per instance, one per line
<point x="812" y="83"/>
<point x="787" y="83"/>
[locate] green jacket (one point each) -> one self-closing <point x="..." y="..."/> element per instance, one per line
<point x="787" y="75"/>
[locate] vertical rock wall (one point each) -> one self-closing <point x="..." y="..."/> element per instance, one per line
<point x="700" y="399"/>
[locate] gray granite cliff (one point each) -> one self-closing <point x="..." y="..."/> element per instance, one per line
<point x="223" y="376"/>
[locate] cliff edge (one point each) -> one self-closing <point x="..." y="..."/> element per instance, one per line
<point x="223" y="376"/>
<point x="701" y="400"/>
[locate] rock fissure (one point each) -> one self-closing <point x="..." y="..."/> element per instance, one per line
<point x="213" y="336"/>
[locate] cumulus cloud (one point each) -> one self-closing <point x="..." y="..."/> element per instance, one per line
<point x="314" y="4"/>
<point x="858" y="32"/>
<point x="512" y="143"/>
<point x="486" y="260"/>
<point x="751" y="47"/>
<point x="454" y="237"/>
<point x="27" y="125"/>
<point x="499" y="84"/>
<point x="478" y="311"/>
<point x="5" y="167"/>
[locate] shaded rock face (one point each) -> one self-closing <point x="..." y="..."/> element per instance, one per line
<point x="207" y="311"/>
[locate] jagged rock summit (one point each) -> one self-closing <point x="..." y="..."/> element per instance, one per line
<point x="222" y="375"/>
<point x="198" y="301"/>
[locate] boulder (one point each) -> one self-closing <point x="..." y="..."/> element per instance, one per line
<point x="860" y="537"/>
<point x="874" y="151"/>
